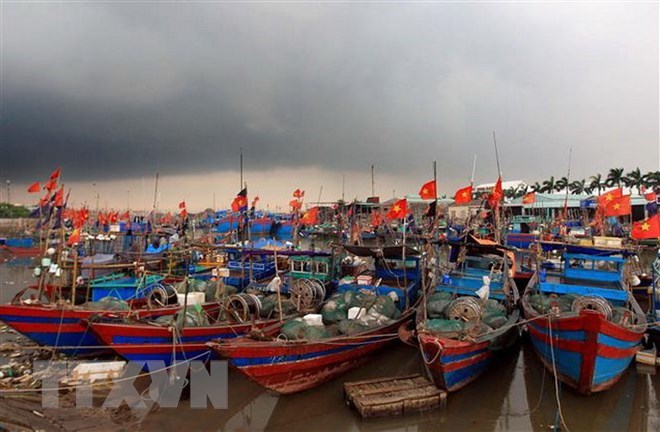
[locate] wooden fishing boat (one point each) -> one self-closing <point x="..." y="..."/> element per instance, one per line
<point x="170" y="344"/>
<point x="584" y="323"/>
<point x="472" y="317"/>
<point x="21" y="247"/>
<point x="290" y="366"/>
<point x="54" y="324"/>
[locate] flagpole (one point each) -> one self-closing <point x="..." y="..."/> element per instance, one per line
<point x="496" y="219"/>
<point x="241" y="169"/>
<point x="568" y="181"/>
<point x="474" y="168"/>
<point x="435" y="188"/>
<point x="497" y="156"/>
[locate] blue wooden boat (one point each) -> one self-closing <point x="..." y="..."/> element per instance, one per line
<point x="472" y="317"/>
<point x="584" y="323"/>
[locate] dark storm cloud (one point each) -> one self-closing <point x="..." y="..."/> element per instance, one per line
<point x="111" y="90"/>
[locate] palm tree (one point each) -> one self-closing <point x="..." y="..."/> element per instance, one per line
<point x="548" y="185"/>
<point x="510" y="192"/>
<point x="596" y="183"/>
<point x="561" y="184"/>
<point x="634" y="179"/>
<point x="536" y="187"/>
<point x="615" y="177"/>
<point x="651" y="179"/>
<point x="578" y="187"/>
<point x="522" y="191"/>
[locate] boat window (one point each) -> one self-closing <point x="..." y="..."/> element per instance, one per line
<point x="322" y="267"/>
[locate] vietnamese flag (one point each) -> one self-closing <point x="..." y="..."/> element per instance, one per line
<point x="59" y="197"/>
<point x="529" y="198"/>
<point x="650" y="196"/>
<point x="183" y="213"/>
<point x="239" y="204"/>
<point x="311" y="216"/>
<point x="496" y="194"/>
<point x="606" y="199"/>
<point x="618" y="206"/>
<point x="51" y="185"/>
<point x="126" y="216"/>
<point x="298" y="193"/>
<point x="464" y="195"/>
<point x="295" y="204"/>
<point x="182" y="204"/>
<point x="74" y="237"/>
<point x="428" y="190"/>
<point x="646" y="229"/>
<point x="34" y="187"/>
<point x="398" y="210"/>
<point x="56" y="174"/>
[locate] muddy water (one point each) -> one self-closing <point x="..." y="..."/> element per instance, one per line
<point x="516" y="394"/>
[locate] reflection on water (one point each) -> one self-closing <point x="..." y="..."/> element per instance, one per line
<point x="515" y="395"/>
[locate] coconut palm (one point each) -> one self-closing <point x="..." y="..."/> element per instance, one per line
<point x="548" y="185"/>
<point x="510" y="192"/>
<point x="578" y="187"/>
<point x="614" y="177"/>
<point x="596" y="183"/>
<point x="536" y="187"/>
<point x="561" y="184"/>
<point x="522" y="190"/>
<point x="651" y="179"/>
<point x="634" y="179"/>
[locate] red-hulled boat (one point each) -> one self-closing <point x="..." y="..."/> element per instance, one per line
<point x="170" y="344"/>
<point x="293" y="366"/>
<point x="290" y="366"/>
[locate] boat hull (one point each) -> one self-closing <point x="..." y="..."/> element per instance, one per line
<point x="144" y="342"/>
<point x="62" y="328"/>
<point x="590" y="353"/>
<point x="291" y="367"/>
<point x="453" y="363"/>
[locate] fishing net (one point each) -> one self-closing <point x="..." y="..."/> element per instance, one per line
<point x="298" y="329"/>
<point x="444" y="325"/>
<point x="194" y="317"/>
<point x="351" y="327"/>
<point x="270" y="306"/>
<point x="494" y="318"/>
<point x="109" y="304"/>
<point x="384" y="305"/>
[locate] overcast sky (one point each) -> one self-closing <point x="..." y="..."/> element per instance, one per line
<point x="115" y="91"/>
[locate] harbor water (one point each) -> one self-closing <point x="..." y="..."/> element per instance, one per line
<point x="515" y="395"/>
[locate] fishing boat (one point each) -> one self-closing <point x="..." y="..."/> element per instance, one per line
<point x="171" y="342"/>
<point x="61" y="326"/>
<point x="175" y="339"/>
<point x="583" y="322"/>
<point x="472" y="316"/>
<point x="21" y="247"/>
<point x="290" y="366"/>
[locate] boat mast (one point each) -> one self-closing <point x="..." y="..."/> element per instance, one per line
<point x="496" y="217"/>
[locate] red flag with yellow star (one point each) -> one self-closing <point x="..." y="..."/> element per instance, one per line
<point x="428" y="190"/>
<point x="311" y="216"/>
<point x="618" y="206"/>
<point x="646" y="229"/>
<point x="605" y="199"/>
<point x="463" y="196"/>
<point x="529" y="198"/>
<point x="398" y="210"/>
<point x="496" y="194"/>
